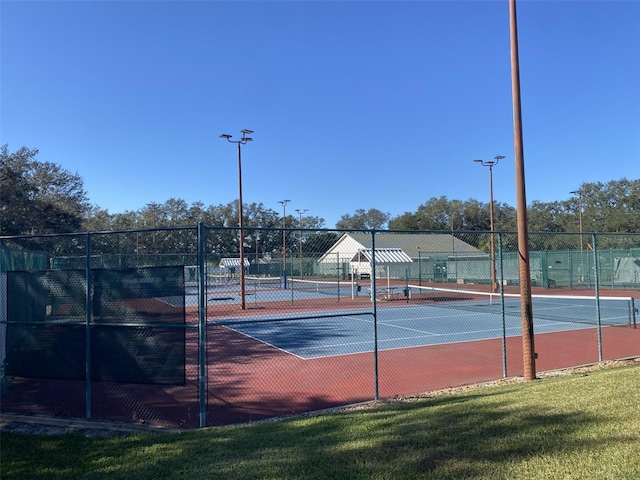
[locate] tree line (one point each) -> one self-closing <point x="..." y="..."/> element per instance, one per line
<point x="42" y="197"/>
<point x="593" y="207"/>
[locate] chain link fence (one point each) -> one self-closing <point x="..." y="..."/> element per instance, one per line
<point x="181" y="327"/>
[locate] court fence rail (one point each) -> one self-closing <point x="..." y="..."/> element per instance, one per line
<point x="182" y="328"/>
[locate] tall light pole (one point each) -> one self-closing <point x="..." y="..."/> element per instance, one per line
<point x="240" y="142"/>
<point x="579" y="193"/>
<point x="284" y="241"/>
<point x="491" y="164"/>
<point x="524" y="269"/>
<point x="300" y="212"/>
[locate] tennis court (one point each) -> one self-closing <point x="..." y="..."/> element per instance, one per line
<point x="451" y="316"/>
<point x="155" y="330"/>
<point x="320" y="358"/>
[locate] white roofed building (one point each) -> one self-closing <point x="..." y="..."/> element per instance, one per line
<point x="233" y="263"/>
<point x="399" y="255"/>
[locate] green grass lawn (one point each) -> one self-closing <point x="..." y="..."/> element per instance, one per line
<point x="578" y="426"/>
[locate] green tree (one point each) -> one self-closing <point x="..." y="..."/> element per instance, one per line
<point x="613" y="206"/>
<point x="444" y="214"/>
<point x="435" y="214"/>
<point x="97" y="219"/>
<point x="547" y="217"/>
<point x="372" y="219"/>
<point x="38" y="197"/>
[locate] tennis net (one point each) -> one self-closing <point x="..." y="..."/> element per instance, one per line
<point x="565" y="308"/>
<point x="217" y="282"/>
<point x="263" y="282"/>
<point x="333" y="288"/>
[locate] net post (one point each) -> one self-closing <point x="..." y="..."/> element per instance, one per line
<point x="406" y="285"/>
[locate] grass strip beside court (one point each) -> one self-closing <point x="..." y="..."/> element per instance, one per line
<point x="568" y="426"/>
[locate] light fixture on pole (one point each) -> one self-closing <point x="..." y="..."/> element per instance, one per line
<point x="284" y="242"/>
<point x="579" y="194"/>
<point x="491" y="164"/>
<point x="245" y="138"/>
<point x="300" y="212"/>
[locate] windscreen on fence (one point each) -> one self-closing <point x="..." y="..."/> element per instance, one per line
<point x="45" y="335"/>
<point x="136" y="330"/>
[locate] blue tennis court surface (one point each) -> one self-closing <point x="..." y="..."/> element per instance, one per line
<point x="398" y="327"/>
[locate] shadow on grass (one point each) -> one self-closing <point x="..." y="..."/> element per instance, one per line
<point x="476" y="435"/>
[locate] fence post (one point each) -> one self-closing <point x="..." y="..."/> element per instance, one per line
<point x="375" y="315"/>
<point x="202" y="325"/>
<point x="588" y="269"/>
<point x="597" y="292"/>
<point x="544" y="265"/>
<point x="612" y="272"/>
<point x="570" y="255"/>
<point x="338" y="265"/>
<point x="88" y="311"/>
<point x="504" y="321"/>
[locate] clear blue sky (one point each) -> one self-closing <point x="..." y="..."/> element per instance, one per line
<point x="354" y="104"/>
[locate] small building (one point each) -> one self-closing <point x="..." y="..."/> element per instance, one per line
<point x="386" y="259"/>
<point x="231" y="265"/>
<point x="429" y="255"/>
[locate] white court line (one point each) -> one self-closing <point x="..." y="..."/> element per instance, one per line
<point x="264" y="342"/>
